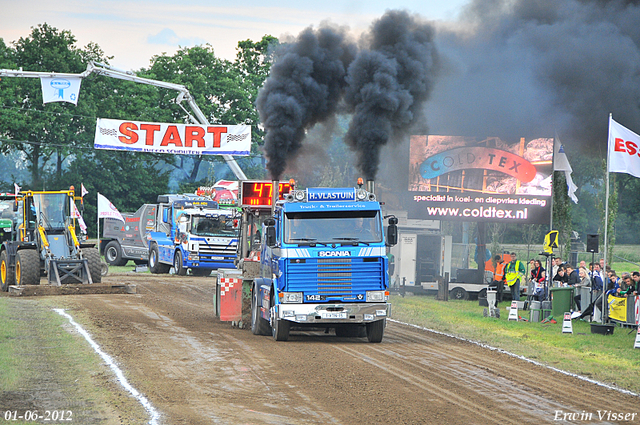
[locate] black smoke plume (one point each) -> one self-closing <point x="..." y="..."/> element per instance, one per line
<point x="304" y="87"/>
<point x="388" y="84"/>
<point x="534" y="68"/>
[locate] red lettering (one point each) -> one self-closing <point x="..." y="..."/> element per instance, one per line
<point x="619" y="145"/>
<point x="217" y="132"/>
<point x="150" y="129"/>
<point x="192" y="134"/>
<point x="128" y="131"/>
<point x="632" y="148"/>
<point x="172" y="136"/>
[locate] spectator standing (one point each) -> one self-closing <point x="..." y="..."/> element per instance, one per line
<point x="572" y="275"/>
<point x="514" y="273"/>
<point x="585" y="282"/>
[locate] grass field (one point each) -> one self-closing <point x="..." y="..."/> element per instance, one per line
<point x="610" y="359"/>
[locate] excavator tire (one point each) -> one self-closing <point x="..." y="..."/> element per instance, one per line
<point x="27" y="267"/>
<point x="93" y="259"/>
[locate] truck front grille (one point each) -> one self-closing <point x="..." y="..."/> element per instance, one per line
<point x="335" y="276"/>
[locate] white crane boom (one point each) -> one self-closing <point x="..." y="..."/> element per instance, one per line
<point x="102" y="69"/>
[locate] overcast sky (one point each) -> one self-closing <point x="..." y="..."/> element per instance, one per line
<point x="134" y="30"/>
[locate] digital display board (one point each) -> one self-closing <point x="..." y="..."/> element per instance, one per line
<point x="258" y="193"/>
<point x="473" y="179"/>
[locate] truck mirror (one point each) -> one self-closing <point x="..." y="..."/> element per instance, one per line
<point x="392" y="232"/>
<point x="165" y="215"/>
<point x="271" y="236"/>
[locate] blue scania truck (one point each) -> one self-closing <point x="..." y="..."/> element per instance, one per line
<point x="192" y="233"/>
<point x="324" y="265"/>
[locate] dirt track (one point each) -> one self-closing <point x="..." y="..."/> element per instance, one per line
<point x="195" y="369"/>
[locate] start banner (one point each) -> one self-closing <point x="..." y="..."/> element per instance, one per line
<point x="177" y="139"/>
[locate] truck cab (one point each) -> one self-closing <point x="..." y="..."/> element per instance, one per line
<point x="324" y="265"/>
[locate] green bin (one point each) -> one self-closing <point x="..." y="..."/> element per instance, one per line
<point x="562" y="300"/>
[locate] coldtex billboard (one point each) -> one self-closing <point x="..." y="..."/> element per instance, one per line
<point x="492" y="180"/>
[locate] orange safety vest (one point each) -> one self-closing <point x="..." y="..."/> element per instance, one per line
<point x="499" y="273"/>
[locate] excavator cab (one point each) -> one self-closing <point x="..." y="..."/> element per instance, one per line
<point x="47" y="243"/>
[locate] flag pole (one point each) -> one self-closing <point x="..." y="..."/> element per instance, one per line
<point x="553" y="178"/>
<point x="606" y="225"/>
<point x="98" y="216"/>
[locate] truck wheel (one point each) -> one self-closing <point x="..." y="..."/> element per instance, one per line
<point x="27" y="267"/>
<point x="7" y="274"/>
<point x="93" y="260"/>
<point x="459" y="294"/>
<point x="177" y="264"/>
<point x="375" y="330"/>
<point x="155" y="266"/>
<point x="113" y="254"/>
<point x="259" y="326"/>
<point x="280" y="329"/>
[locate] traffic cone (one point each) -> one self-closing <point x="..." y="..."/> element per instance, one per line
<point x="513" y="311"/>
<point x="567" y="326"/>
<point x="637" y="343"/>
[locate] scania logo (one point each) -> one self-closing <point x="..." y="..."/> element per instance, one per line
<point x="334" y="253"/>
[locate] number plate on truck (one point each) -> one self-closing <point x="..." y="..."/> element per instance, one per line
<point x="334" y="315"/>
<point x="315" y="297"/>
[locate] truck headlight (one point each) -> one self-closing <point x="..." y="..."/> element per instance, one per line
<point x="193" y="257"/>
<point x="291" y="297"/>
<point x="376" y="296"/>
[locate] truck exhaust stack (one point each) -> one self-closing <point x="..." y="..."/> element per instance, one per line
<point x="371" y="186"/>
<point x="275" y="185"/>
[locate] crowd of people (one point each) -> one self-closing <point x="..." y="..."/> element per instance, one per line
<point x="591" y="276"/>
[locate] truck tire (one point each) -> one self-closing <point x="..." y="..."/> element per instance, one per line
<point x="177" y="264"/>
<point x="375" y="330"/>
<point x="27" y="267"/>
<point x="155" y="266"/>
<point x="7" y="274"/>
<point x="259" y="326"/>
<point x="113" y="254"/>
<point x="459" y="294"/>
<point x="280" y="329"/>
<point x="93" y="261"/>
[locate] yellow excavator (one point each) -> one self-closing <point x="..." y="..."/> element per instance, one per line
<point x="45" y="243"/>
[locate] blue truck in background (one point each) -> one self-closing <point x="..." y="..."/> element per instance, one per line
<point x="192" y="232"/>
<point x="324" y="265"/>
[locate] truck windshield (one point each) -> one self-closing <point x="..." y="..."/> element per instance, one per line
<point x="221" y="226"/>
<point x="333" y="227"/>
<point x="52" y="209"/>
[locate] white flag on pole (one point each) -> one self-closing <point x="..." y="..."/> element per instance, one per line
<point x="107" y="210"/>
<point x="76" y="214"/>
<point x="83" y="191"/>
<point x="561" y="163"/>
<point x="624" y="150"/>
<point x="60" y="89"/>
<point x="16" y="188"/>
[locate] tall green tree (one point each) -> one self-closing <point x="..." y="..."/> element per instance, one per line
<point x="39" y="131"/>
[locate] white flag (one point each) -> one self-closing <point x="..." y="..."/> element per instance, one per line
<point x="60" y="89"/>
<point x="83" y="191"/>
<point x="107" y="210"/>
<point x="76" y="214"/>
<point x="561" y="163"/>
<point x="624" y="150"/>
<point x="16" y="189"/>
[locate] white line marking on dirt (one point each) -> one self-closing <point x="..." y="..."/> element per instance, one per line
<point x="500" y="350"/>
<point x="114" y="367"/>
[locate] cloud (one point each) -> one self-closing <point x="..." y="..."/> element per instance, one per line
<point x="168" y="37"/>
